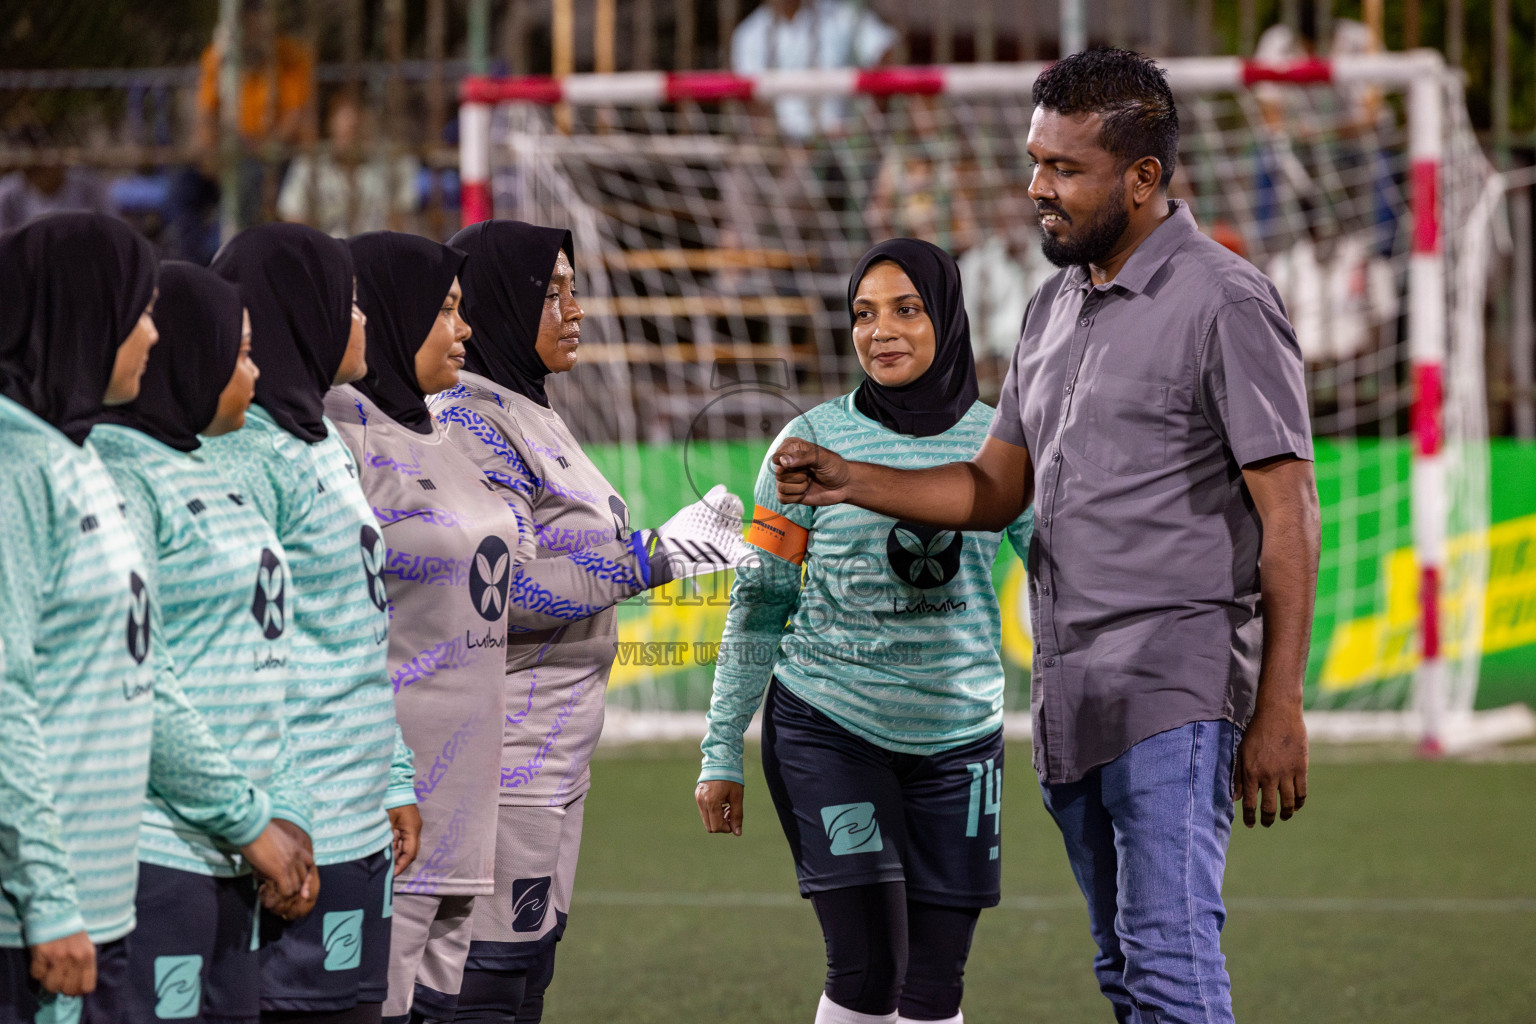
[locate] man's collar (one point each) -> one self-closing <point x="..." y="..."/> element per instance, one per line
<point x="1150" y="255"/>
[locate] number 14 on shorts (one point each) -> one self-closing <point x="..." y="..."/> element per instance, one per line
<point x="986" y="798"/>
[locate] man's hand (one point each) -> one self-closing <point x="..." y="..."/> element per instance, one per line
<point x="406" y="822"/>
<point x="1272" y="761"/>
<point x="810" y="475"/>
<point x="66" y="966"/>
<point x="720" y="805"/>
<point x="986" y="493"/>
<point x="283" y="859"/>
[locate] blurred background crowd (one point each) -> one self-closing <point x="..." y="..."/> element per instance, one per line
<point x="343" y="114"/>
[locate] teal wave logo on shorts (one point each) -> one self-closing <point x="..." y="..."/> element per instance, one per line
<point x="852" y="828"/>
<point x="342" y="932"/>
<point x="178" y="987"/>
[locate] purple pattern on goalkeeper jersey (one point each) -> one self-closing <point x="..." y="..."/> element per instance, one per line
<point x="459" y="391"/>
<point x="530" y="596"/>
<point x="410" y="469"/>
<point x="608" y="569"/>
<point x="436" y="516"/>
<point x="449" y="654"/>
<point x="533" y="767"/>
<point x="447" y="633"/>
<point x="433" y="570"/>
<point x="566" y="540"/>
<point x="557" y="675"/>
<point x="461" y="738"/>
<point x="523" y="480"/>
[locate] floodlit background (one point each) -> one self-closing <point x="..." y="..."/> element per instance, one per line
<point x="714" y="233"/>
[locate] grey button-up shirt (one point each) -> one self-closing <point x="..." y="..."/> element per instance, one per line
<point x="1140" y="401"/>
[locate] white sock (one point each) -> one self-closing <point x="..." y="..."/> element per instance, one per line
<point x="958" y="1018"/>
<point x="828" y="1012"/>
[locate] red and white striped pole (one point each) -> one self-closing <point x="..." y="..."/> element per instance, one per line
<point x="475" y="162"/>
<point x="1185" y="74"/>
<point x="1428" y="344"/>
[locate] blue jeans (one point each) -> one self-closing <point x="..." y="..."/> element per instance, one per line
<point x="1147" y="836"/>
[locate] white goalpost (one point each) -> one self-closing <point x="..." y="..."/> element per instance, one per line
<point x="713" y="234"/>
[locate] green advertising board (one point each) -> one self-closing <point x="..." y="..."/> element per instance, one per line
<point x="1364" y="633"/>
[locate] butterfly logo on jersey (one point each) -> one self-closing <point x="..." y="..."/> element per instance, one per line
<point x="138" y="618"/>
<point x="269" y="606"/>
<point x="620" y="516"/>
<point x="490" y="573"/>
<point x="530" y="902"/>
<point x="373" y="566"/>
<point x="924" y="556"/>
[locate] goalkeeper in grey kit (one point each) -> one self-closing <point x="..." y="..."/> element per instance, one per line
<point x="519" y="294"/>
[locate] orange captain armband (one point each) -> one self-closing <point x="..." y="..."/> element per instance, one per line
<point x="778" y="535"/>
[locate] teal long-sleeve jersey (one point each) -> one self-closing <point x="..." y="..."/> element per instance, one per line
<point x="889" y="628"/>
<point x="219" y="582"/>
<point x="85" y="723"/>
<point x="341" y="711"/>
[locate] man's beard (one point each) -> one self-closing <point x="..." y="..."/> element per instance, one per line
<point x="1095" y="241"/>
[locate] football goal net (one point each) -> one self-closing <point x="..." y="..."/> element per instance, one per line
<point x="716" y="218"/>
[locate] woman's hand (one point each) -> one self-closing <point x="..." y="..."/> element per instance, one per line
<point x="283" y="860"/>
<point x="405" y="822"/>
<point x="720" y="805"/>
<point x="66" y="966"/>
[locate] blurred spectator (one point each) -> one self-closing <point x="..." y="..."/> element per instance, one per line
<point x="1001" y="268"/>
<point x="801" y="34"/>
<point x="1338" y="294"/>
<point x="340" y="189"/>
<point x="1321" y="139"/>
<point x="277" y="84"/>
<point x="1281" y="43"/>
<point x="34" y="191"/>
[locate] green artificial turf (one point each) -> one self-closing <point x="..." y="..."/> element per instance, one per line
<point x="1405" y="891"/>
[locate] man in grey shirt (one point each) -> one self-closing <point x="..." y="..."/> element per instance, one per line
<point x="1156" y="415"/>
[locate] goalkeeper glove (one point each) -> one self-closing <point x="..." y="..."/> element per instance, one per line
<point x="705" y="537"/>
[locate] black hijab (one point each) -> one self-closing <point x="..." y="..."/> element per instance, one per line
<point x="296" y="283"/>
<point x="198" y="314"/>
<point x="72" y="287"/>
<point x="402" y="281"/>
<point x="504" y="284"/>
<point x="944" y="392"/>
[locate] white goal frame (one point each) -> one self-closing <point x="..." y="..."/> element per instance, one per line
<point x="1439" y="718"/>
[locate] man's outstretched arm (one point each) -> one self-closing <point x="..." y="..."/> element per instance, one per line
<point x="987" y="493"/>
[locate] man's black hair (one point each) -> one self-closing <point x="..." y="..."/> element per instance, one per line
<point x="1129" y="93"/>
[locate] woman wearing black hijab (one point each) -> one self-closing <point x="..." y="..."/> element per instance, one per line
<point x="212" y="564"/>
<point x="519" y="292"/>
<point x="447" y="637"/>
<point x="287" y="462"/>
<point x="84" y="722"/>
<point x="877" y="642"/>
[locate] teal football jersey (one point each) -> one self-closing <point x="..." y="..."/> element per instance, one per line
<point x="890" y="628"/>
<point x="341" y="714"/>
<point x="77" y="690"/>
<point x="219" y="579"/>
